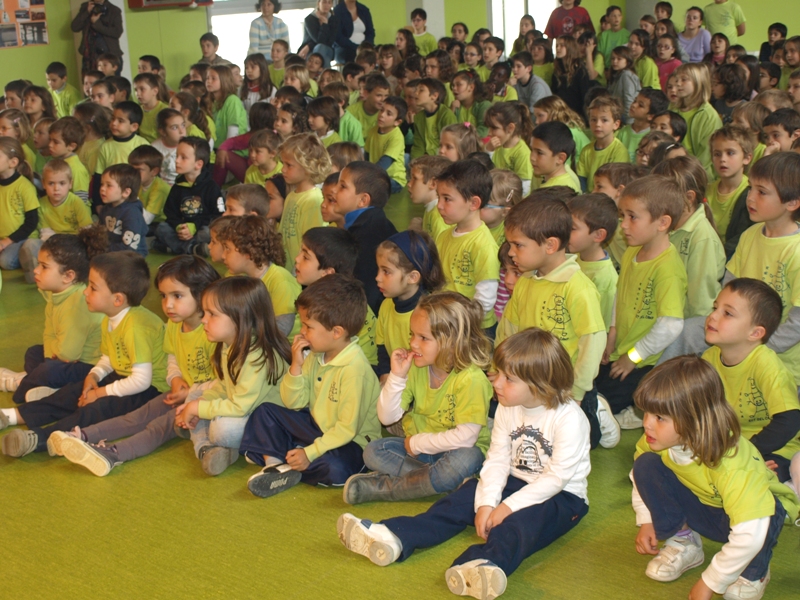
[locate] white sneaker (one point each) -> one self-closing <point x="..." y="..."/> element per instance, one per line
<point x="9" y="380"/>
<point x="54" y="443"/>
<point x="372" y="540"/>
<point x="37" y="393"/>
<point x="678" y="555"/>
<point x="609" y="427"/>
<point x="744" y="589"/>
<point x="477" y="578"/>
<point x="628" y="419"/>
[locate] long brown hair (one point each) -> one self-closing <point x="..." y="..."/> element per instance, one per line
<point x="572" y="62"/>
<point x="264" y="81"/>
<point x="511" y="113"/>
<point x="246" y="302"/>
<point x="197" y="116"/>
<point x="227" y="87"/>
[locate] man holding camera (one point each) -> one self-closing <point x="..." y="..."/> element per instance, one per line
<point x="101" y="24"/>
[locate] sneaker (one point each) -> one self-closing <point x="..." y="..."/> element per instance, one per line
<point x="98" y="458"/>
<point x="678" y="555"/>
<point x="37" y="393"/>
<point x="19" y="443"/>
<point x="9" y="380"/>
<point x="201" y="250"/>
<point x="744" y="589"/>
<point x="372" y="540"/>
<point x="4" y="422"/>
<point x="216" y="459"/>
<point x="628" y="419"/>
<point x="55" y="443"/>
<point x="273" y="480"/>
<point x="477" y="578"/>
<point x="609" y="427"/>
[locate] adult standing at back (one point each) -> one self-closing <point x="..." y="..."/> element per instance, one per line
<point x="695" y="40"/>
<point x="355" y="27"/>
<point x="101" y="24"/>
<point x="725" y="16"/>
<point x="267" y="28"/>
<point x="565" y="18"/>
<point x="321" y="27"/>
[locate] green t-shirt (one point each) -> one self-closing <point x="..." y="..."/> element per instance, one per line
<point x="139" y="338"/>
<point x="483" y="72"/>
<point x="630" y="139"/>
<point x="722" y="204"/>
<point x="428" y="130"/>
<point x="65" y="100"/>
<point x="350" y="129"/>
<point x="545" y="71"/>
<point x="71" y="332"/>
<point x="16" y="199"/>
<point x="393" y="329"/>
<point x="647" y="71"/>
<point x="498" y="233"/>
<point x="301" y="212"/>
<point x="647" y="290"/>
<point x="231" y="114"/>
<point x="701" y="123"/>
<point x="580" y="138"/>
<point x="330" y="138"/>
<point x="68" y="217"/>
<point x="591" y="159"/>
<point x="776" y="262"/>
<point x="724" y="18"/>
<point x="367" y="121"/>
<point x="467" y="260"/>
<point x="604" y="277"/>
<point x="568" y="179"/>
<point x="80" y="177"/>
<point x="608" y="40"/>
<point x="154" y="198"/>
<point x="741" y="484"/>
<point x="116" y="153"/>
<point x="462" y="398"/>
<point x="509" y="95"/>
<point x="516" y="159"/>
<point x="276" y="75"/>
<point x="192" y="350"/>
<point x="758" y="388"/>
<point x="475" y="116"/>
<point x="426" y="43"/>
<point x="254" y="175"/>
<point x="390" y="144"/>
<point x="149" y="128"/>
<point x="703" y="256"/>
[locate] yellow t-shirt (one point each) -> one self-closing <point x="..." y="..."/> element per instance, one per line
<point x="16" y="199"/>
<point x="149" y="129"/>
<point x="254" y="174"/>
<point x="758" y="388"/>
<point x="722" y="204"/>
<point x="301" y="212"/>
<point x="155" y="197"/>
<point x="283" y="291"/>
<point x="545" y="71"/>
<point x="115" y="153"/>
<point x="391" y="144"/>
<point x="68" y="217"/>
<point x="89" y="152"/>
<point x="276" y="75"/>
<point x="568" y="179"/>
<point x="80" y="177"/>
<point x="192" y="350"/>
<point x="590" y="159"/>
<point x="432" y="221"/>
<point x="367" y="121"/>
<point x="498" y="233"/>
<point x="393" y="329"/>
<point x="516" y="159"/>
<point x="616" y="246"/>
<point x="604" y="277"/>
<point x="71" y="332"/>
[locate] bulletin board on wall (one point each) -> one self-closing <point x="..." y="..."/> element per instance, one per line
<point x="22" y="23"/>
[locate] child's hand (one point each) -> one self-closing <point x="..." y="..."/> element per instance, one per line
<point x="610" y="343"/>
<point x="512" y="81"/>
<point x="590" y="46"/>
<point x="499" y="515"/>
<point x="401" y="362"/>
<point x="646" y="540"/>
<point x="772" y="148"/>
<point x="299" y="344"/>
<point x="89" y="384"/>
<point x="179" y="391"/>
<point x="90" y="396"/>
<point x="222" y="158"/>
<point x="407" y="446"/>
<point x="700" y="591"/>
<point x="455" y="105"/>
<point x="493" y="143"/>
<point x="298" y="459"/>
<point x="772" y="465"/>
<point x="482" y="521"/>
<point x="184" y="233"/>
<point x="5" y="243"/>
<point x="186" y="415"/>
<point x="622" y="367"/>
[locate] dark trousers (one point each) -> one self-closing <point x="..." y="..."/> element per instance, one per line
<point x="521" y="533"/>
<point x="672" y="506"/>
<point x="48" y="372"/>
<point x="273" y="430"/>
<point x="783" y="466"/>
<point x="167" y="240"/>
<point x="589" y="408"/>
<point x="62" y="407"/>
<point x="619" y="393"/>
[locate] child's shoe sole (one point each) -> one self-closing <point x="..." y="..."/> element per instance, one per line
<point x="477" y="578"/>
<point x="55" y="442"/>
<point x="357" y="538"/>
<point x="79" y="452"/>
<point x="19" y="443"/>
<point x="273" y="480"/>
<point x="217" y="459"/>
<point x="38" y="393"/>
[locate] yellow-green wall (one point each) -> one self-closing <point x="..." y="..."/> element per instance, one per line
<point x="387" y="17"/>
<point x="470" y="12"/>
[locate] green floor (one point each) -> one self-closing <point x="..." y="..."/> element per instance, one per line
<point x="159" y="528"/>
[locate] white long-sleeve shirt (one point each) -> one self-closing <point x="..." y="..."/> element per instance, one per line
<point x="141" y="374"/>
<point x="547" y="448"/>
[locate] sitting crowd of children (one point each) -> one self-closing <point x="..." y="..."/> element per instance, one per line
<point x="437" y="280"/>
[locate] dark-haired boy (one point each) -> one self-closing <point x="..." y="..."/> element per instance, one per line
<point x="193" y="202"/>
<point x="209" y="44"/>
<point x="154" y="190"/>
<point x="353" y="73"/>
<point x="366" y="111"/>
<point x="330" y="397"/>
<point x="66" y="138"/>
<point x="131" y="371"/>
<point x="108" y="64"/>
<point x="759" y="387"/>
<point x="124" y="126"/>
<point x="776" y="32"/>
<point x="433" y="115"/>
<point x="552" y="148"/>
<point x="385" y="144"/>
<point x="670" y="123"/>
<point x="769" y="76"/>
<point x="148" y="64"/>
<point x="493" y="48"/>
<point x="146" y="86"/>
<point x="530" y="88"/>
<point x="362" y="192"/>
<point x="426" y="42"/>
<point x="781" y="128"/>
<point x="122" y="212"/>
<point x="647" y="104"/>
<point x="615" y="35"/>
<point x="349" y="127"/>
<point x="65" y="96"/>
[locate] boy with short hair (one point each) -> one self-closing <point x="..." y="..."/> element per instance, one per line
<point x="247" y="199"/>
<point x="353" y="74"/>
<point x="89" y="79"/>
<point x="366" y="111"/>
<point x="193" y="202"/>
<point x="422" y="190"/>
<point x="611" y="179"/>
<point x="652" y="292"/>
<point x="615" y="35"/>
<point x="645" y="106"/>
<point x="553" y="294"/>
<point x="493" y="48"/>
<point x="781" y="128"/>
<point x="769" y="250"/>
<point x="769" y="76"/>
<point x="149" y="64"/>
<point x="328" y="250"/>
<point x="794" y="86"/>
<point x="552" y="148"/>
<point x="131" y="371"/>
<point x="362" y="192"/>
<point x="433" y="116"/>
<point x="759" y="387"/>
<point x="530" y="88"/>
<point x="277" y="69"/>
<point x="670" y="123"/>
<point x="65" y="96"/>
<point x="726" y="17"/>
<point x="605" y="118"/>
<point x="264" y="161"/>
<point x="775" y="33"/>
<point x="146" y="87"/>
<point x="594" y="222"/>
<point x="122" y="211"/>
<point x="108" y="64"/>
<point x="466" y="247"/>
<point x="66" y="138"/>
<point x="336" y="386"/>
<point x="426" y="42"/>
<point x="349" y="127"/>
<point x="154" y="190"/>
<point x="209" y="44"/>
<point x="123" y="87"/>
<point x="385" y="143"/>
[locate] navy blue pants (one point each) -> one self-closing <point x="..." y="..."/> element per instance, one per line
<point x="48" y="372"/>
<point x="618" y="393"/>
<point x="672" y="505"/>
<point x="273" y="430"/>
<point x="62" y="407"/>
<point x="589" y="408"/>
<point x="521" y="533"/>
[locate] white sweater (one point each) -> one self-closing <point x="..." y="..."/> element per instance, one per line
<point x="547" y="448"/>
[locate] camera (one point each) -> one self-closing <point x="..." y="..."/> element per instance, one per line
<point x="100" y="9"/>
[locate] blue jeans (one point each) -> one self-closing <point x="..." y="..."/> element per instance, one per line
<point x="448" y="469"/>
<point x="9" y="258"/>
<point x="672" y="506"/>
<point x="521" y="533"/>
<point x="48" y="372"/>
<point x="167" y="239"/>
<point x="219" y="431"/>
<point x="326" y="52"/>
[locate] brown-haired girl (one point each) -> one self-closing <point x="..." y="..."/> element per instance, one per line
<point x="222" y="103"/>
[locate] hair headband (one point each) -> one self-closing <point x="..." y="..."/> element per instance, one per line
<point x="420" y="258"/>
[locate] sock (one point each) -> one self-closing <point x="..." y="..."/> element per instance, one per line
<point x="11" y="413"/>
<point x="19" y="377"/>
<point x="271" y="461"/>
<point x="685" y="533"/>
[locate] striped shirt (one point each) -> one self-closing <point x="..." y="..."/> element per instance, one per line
<point x="262" y="35"/>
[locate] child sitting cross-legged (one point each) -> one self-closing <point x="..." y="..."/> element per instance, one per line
<point x="438" y="388"/>
<point x="532" y="487"/>
<point x="122" y="211"/>
<point x="329" y="397"/>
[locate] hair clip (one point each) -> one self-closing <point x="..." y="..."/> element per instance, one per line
<point x="467" y="124"/>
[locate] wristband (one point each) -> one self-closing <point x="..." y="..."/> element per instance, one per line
<point x="634" y="356"/>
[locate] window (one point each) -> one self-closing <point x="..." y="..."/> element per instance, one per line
<point x="507" y="13"/>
